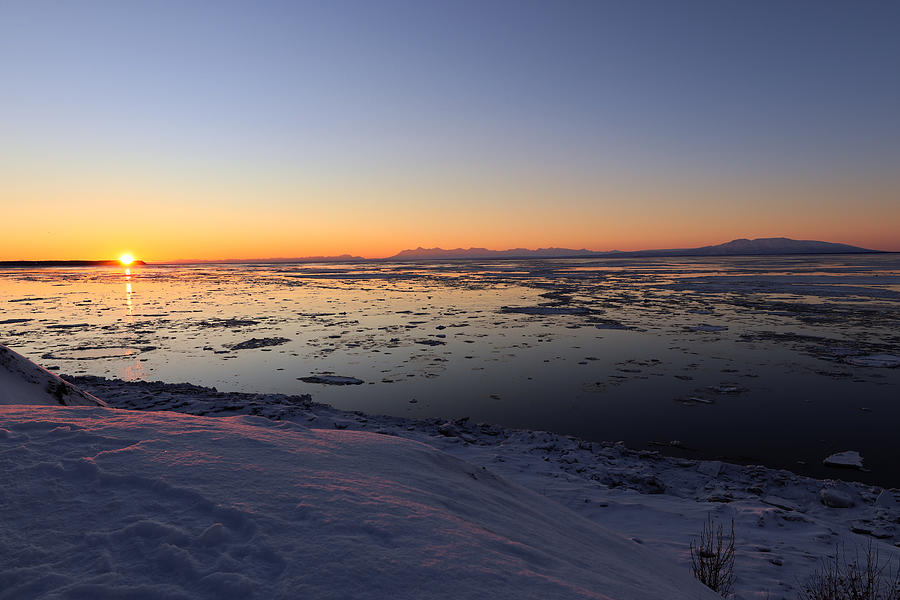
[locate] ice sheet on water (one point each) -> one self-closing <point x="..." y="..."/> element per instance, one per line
<point x="875" y="360"/>
<point x="705" y="327"/>
<point x="545" y="310"/>
<point x="331" y="380"/>
<point x="850" y="459"/>
<point x="259" y="343"/>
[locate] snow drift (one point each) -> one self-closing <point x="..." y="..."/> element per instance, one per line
<point x="23" y="382"/>
<point x="108" y="503"/>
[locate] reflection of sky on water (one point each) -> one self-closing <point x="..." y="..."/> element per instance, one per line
<point x="435" y="333"/>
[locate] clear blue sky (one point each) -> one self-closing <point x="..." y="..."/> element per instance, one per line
<point x="417" y="112"/>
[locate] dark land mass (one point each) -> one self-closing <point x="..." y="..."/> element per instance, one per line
<point x="739" y="247"/>
<point x="275" y="261"/>
<point x="32" y="264"/>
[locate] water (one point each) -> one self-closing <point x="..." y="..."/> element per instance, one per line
<point x="748" y="359"/>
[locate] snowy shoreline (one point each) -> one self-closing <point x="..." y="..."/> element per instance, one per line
<point x="785" y="523"/>
<point x="111" y="488"/>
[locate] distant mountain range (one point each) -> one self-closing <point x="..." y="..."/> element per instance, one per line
<point x="759" y="246"/>
<point x="739" y="247"/>
<point x="439" y="253"/>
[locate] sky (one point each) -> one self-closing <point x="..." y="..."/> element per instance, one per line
<point x="205" y="130"/>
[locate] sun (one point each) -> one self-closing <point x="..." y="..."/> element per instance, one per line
<point x="126" y="259"/>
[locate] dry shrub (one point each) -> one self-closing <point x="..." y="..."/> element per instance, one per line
<point x="862" y="577"/>
<point x="712" y="558"/>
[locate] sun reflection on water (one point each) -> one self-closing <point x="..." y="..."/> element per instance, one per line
<point x="134" y="371"/>
<point x="129" y="304"/>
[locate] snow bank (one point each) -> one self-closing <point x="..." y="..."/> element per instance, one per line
<point x="785" y="523"/>
<point x="23" y="382"/>
<point x="114" y="503"/>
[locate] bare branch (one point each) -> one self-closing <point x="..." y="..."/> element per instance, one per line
<point x="712" y="558"/>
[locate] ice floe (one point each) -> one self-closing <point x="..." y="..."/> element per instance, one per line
<point x="259" y="343"/>
<point x="835" y="498"/>
<point x="849" y="459"/>
<point x="545" y="310"/>
<point x="331" y="380"/>
<point x="875" y="360"/>
<point x="705" y="327"/>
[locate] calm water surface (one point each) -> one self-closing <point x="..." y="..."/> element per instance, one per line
<point x="764" y="360"/>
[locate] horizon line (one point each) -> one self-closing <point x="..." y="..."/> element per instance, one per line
<point x="347" y="257"/>
<point x="350" y="257"/>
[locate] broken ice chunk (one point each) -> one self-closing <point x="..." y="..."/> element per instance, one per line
<point x="850" y="459"/>
<point x="886" y="500"/>
<point x="707" y="327"/>
<point x="258" y="343"/>
<point x="834" y="498"/>
<point x="545" y="310"/>
<point x="331" y="380"/>
<point x="780" y="502"/>
<point x="875" y="360"/>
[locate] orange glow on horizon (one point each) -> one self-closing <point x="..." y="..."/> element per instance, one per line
<point x="231" y="216"/>
<point x="126" y="259"/>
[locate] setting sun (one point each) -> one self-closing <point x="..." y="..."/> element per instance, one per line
<point x="126" y="259"/>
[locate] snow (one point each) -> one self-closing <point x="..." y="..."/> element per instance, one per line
<point x="711" y="468"/>
<point x="886" y="501"/>
<point x="23" y="382"/>
<point x="662" y="501"/>
<point x="850" y="459"/>
<point x="276" y="496"/>
<point x="779" y="502"/>
<point x="835" y="498"/>
<point x="104" y="503"/>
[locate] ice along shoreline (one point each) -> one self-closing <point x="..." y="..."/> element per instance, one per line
<point x="785" y="523"/>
